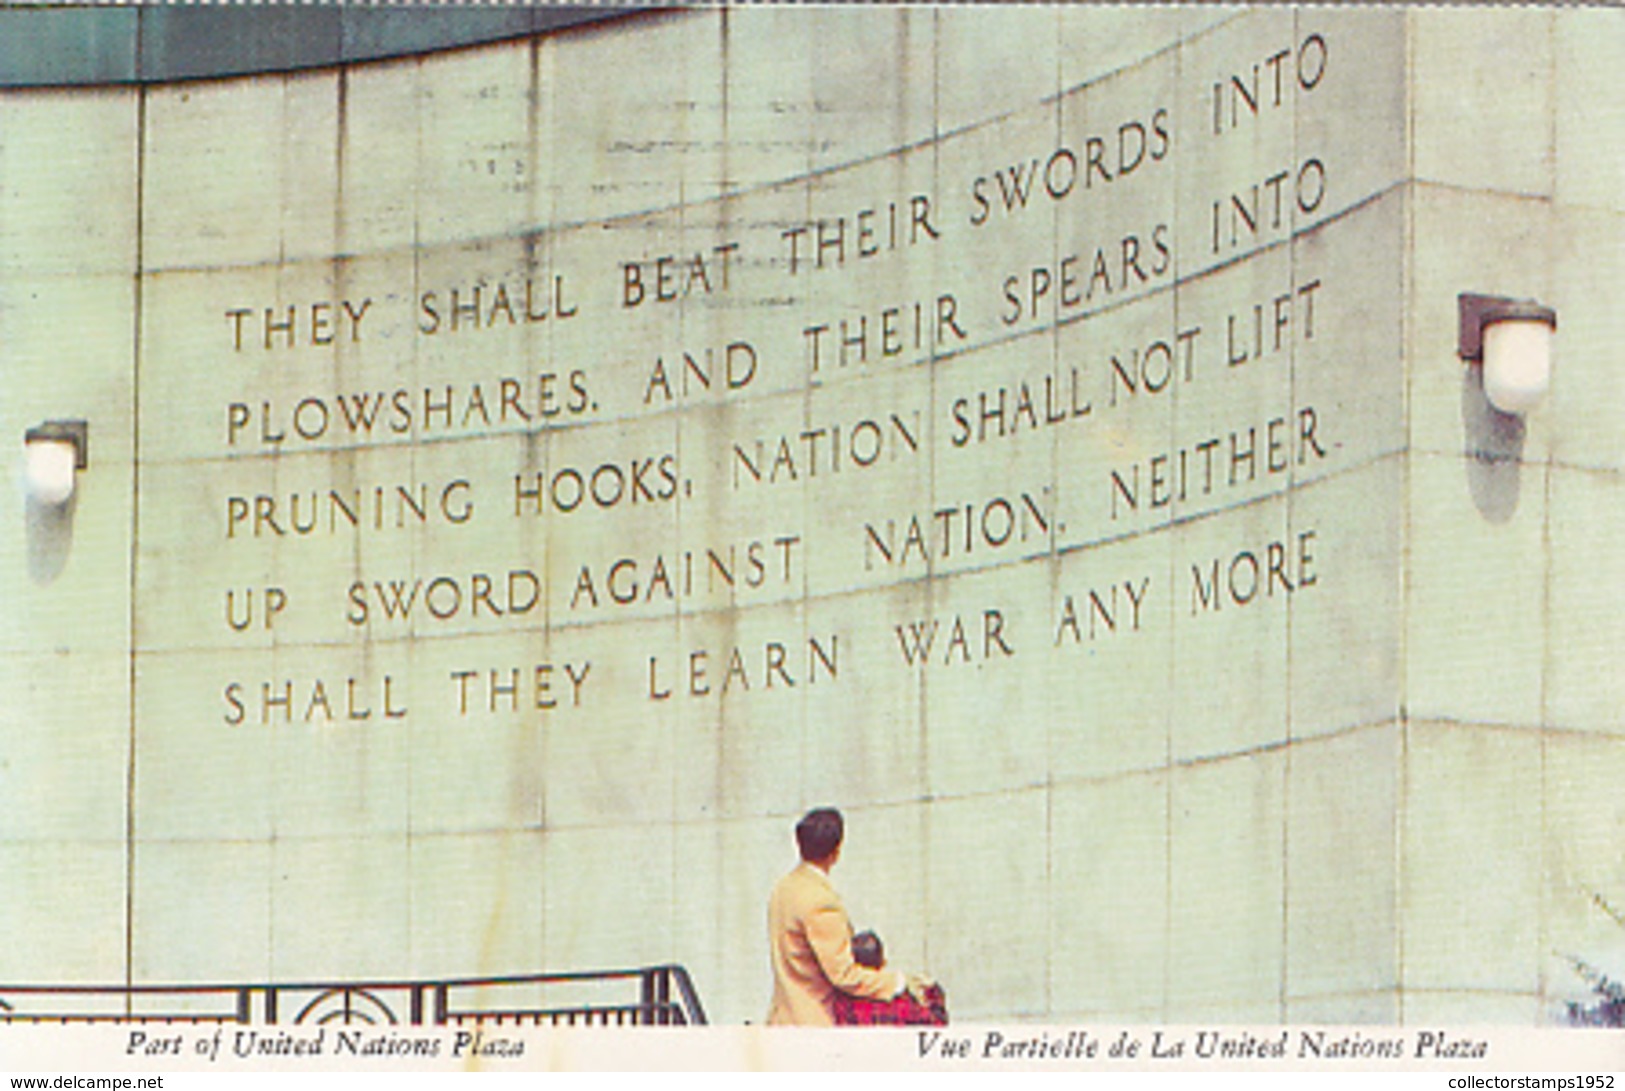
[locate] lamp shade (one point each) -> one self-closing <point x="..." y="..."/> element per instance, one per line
<point x="51" y="464"/>
<point x="1517" y="363"/>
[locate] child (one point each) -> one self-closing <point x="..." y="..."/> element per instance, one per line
<point x="902" y="1010"/>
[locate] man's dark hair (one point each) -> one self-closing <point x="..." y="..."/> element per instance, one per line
<point x="867" y="950"/>
<point x="819" y="833"/>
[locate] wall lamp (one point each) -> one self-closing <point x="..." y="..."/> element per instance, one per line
<point x="1512" y="339"/>
<point x="56" y="450"/>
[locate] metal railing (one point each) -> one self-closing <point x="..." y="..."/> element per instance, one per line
<point x="664" y="996"/>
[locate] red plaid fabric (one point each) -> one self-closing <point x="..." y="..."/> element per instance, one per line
<point x="901" y="1011"/>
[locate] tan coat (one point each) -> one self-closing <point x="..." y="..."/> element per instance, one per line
<point x="811" y="942"/>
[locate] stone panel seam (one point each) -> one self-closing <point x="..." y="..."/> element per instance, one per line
<point x="1344" y="994"/>
<point x="797" y="182"/>
<point x="135" y="529"/>
<point x="1283" y="970"/>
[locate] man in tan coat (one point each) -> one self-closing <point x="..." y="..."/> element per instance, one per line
<point x="810" y="936"/>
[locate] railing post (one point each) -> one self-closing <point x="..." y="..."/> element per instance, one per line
<point x="646" y="997"/>
<point x="693" y="1011"/>
<point x="440" y="1005"/>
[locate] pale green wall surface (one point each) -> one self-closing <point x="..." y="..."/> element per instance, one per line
<point x="1376" y="784"/>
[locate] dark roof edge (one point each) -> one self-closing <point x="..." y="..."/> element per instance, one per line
<point x="78" y="45"/>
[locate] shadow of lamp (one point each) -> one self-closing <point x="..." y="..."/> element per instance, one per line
<point x="1512" y="340"/>
<point x="56" y="451"/>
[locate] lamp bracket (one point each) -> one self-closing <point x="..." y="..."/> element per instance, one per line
<point x="76" y="432"/>
<point x="1480" y="311"/>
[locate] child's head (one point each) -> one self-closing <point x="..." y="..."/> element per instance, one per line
<point x="867" y="950"/>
